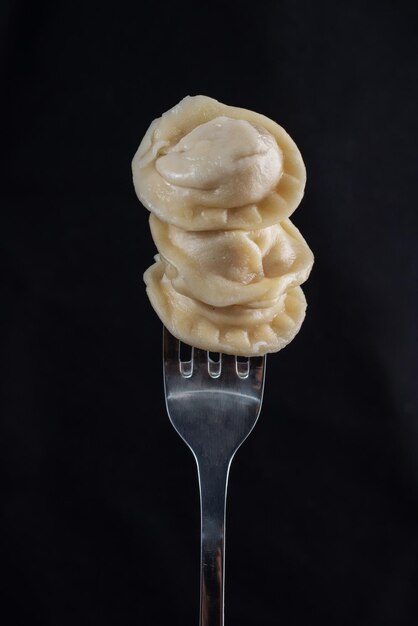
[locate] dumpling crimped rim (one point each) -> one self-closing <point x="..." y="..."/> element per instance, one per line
<point x="244" y="331"/>
<point x="161" y="198"/>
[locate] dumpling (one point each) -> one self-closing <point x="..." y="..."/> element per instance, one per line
<point x="236" y="329"/>
<point x="223" y="268"/>
<point x="204" y="165"/>
<point x="220" y="183"/>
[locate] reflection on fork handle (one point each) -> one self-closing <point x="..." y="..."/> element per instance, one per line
<point x="228" y="407"/>
<point x="213" y="481"/>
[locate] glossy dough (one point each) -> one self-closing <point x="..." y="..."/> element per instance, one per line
<point x="220" y="183"/>
<point x="223" y="268"/>
<point x="235" y="329"/>
<point x="195" y="209"/>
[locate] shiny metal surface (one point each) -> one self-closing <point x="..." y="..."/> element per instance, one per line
<point x="213" y="403"/>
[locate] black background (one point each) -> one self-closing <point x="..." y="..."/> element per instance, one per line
<point x="99" y="499"/>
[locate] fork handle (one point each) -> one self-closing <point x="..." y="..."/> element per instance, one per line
<point x="213" y="482"/>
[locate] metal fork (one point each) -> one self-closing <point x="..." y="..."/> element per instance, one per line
<point x="213" y="403"/>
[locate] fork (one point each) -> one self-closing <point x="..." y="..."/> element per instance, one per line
<point x="213" y="402"/>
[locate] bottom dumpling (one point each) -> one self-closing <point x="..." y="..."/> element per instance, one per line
<point x="237" y="329"/>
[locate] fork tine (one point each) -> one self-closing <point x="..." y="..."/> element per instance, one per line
<point x="257" y="371"/>
<point x="200" y="357"/>
<point x="204" y="368"/>
<point x="229" y="366"/>
<point x="257" y="362"/>
<point x="171" y="348"/>
<point x="214" y="364"/>
<point x="242" y="365"/>
<point x="228" y="372"/>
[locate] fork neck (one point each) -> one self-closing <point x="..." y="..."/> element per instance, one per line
<point x="213" y="481"/>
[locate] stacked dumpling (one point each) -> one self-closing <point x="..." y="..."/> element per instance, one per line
<point x="221" y="183"/>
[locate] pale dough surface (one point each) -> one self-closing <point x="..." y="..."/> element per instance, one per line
<point x="232" y="330"/>
<point x="236" y="266"/>
<point x="193" y="208"/>
<point x="220" y="183"/>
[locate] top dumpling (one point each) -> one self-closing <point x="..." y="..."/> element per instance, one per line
<point x="207" y="166"/>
